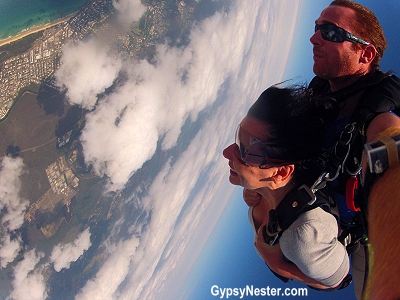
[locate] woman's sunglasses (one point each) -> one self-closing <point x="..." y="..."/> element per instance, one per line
<point x="331" y="32"/>
<point x="254" y="152"/>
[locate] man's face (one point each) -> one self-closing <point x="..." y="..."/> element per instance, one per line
<point x="335" y="60"/>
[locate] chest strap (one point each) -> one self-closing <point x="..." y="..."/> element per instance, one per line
<point x="296" y="202"/>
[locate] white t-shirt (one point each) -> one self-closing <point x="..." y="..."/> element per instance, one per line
<point x="311" y="243"/>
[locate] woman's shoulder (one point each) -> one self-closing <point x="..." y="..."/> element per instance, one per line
<point x="317" y="216"/>
<point x="315" y="224"/>
<point x="311" y="243"/>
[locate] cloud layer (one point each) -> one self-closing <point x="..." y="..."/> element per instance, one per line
<point x="13" y="207"/>
<point x="230" y="59"/>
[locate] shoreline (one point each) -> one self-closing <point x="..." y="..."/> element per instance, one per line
<point x="32" y="30"/>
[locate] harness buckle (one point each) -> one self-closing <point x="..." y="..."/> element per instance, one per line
<point x="273" y="225"/>
<point x="310" y="193"/>
<point x="321" y="181"/>
<point x="269" y="237"/>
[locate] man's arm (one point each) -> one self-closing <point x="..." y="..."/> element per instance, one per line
<point x="380" y="123"/>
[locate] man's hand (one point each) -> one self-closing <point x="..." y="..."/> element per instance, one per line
<point x="251" y="198"/>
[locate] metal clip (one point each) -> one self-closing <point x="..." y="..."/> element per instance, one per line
<point x="273" y="237"/>
<point x="345" y="141"/>
<point x="269" y="237"/>
<point x="321" y="181"/>
<point x="310" y="193"/>
<point x="349" y="130"/>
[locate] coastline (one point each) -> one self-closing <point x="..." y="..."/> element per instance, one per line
<point x="23" y="34"/>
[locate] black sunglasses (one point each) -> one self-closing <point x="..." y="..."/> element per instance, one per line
<point x="331" y="32"/>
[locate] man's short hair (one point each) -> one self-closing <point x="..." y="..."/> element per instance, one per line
<point x="366" y="26"/>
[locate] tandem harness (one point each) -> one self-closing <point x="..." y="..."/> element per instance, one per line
<point x="381" y="93"/>
<point x="376" y="86"/>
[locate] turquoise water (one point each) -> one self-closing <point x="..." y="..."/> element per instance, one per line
<point x="18" y="15"/>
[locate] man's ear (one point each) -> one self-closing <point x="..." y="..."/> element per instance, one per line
<point x="368" y="54"/>
<point x="283" y="173"/>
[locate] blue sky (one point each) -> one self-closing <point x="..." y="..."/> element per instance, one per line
<point x="229" y="259"/>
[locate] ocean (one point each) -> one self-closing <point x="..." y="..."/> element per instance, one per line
<point x="19" y="15"/>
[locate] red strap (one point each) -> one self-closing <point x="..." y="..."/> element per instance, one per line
<point x="351" y="187"/>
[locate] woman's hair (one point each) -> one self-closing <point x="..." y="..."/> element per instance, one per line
<point x="366" y="26"/>
<point x="296" y="121"/>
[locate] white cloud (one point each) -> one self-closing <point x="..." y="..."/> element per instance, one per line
<point x="29" y="283"/>
<point x="123" y="131"/>
<point x="129" y="10"/>
<point x="63" y="255"/>
<point x="13" y="207"/>
<point x="10" y="184"/>
<point x="9" y="249"/>
<point x="87" y="69"/>
<point x="111" y="274"/>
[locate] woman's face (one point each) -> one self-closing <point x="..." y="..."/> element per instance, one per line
<point x="248" y="176"/>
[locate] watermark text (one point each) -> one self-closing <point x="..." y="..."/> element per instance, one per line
<point x="251" y="291"/>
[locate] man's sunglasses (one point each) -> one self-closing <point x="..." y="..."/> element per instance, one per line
<point x="254" y="152"/>
<point x="331" y="32"/>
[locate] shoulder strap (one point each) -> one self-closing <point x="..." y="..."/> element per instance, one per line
<point x="382" y="91"/>
<point x="382" y="95"/>
<point x="297" y="202"/>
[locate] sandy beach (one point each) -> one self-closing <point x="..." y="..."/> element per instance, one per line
<point x="33" y="30"/>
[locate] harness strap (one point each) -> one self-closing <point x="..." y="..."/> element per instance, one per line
<point x="298" y="201"/>
<point x="391" y="147"/>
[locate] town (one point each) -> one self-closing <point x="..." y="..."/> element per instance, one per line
<point x="43" y="59"/>
<point x="57" y="203"/>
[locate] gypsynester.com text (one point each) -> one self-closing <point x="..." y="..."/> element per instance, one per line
<point x="251" y="291"/>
